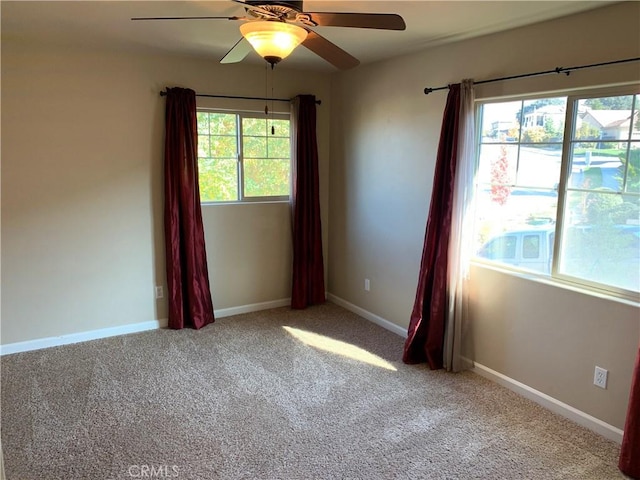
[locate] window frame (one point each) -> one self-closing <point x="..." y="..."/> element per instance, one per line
<point x="240" y="160"/>
<point x="555" y="277"/>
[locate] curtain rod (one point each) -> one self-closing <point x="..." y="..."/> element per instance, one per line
<point x="318" y="102"/>
<point x="564" y="70"/>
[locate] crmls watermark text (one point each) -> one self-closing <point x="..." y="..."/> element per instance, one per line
<point x="153" y="471"/>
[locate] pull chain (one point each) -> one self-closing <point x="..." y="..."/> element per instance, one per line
<point x="273" y="130"/>
<point x="266" y="89"/>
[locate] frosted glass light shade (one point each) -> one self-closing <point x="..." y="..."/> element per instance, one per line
<point x="273" y="40"/>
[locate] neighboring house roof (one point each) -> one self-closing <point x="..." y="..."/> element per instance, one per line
<point x="609" y="118"/>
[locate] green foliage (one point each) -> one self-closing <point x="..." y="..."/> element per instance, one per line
<point x="216" y="123"/>
<point x="548" y="133"/>
<point x="587" y="131"/>
<point x="218" y="180"/>
<point x="534" y="135"/>
<point x="601" y="204"/>
<point x="553" y="133"/>
<point x="623" y="212"/>
<point x="632" y="165"/>
<point x="266" y="177"/>
<point x="623" y="102"/>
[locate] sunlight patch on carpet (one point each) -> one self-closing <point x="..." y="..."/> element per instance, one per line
<point x="338" y="347"/>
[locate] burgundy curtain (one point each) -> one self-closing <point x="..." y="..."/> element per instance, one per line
<point x="425" y="341"/>
<point x="308" y="268"/>
<point x="187" y="276"/>
<point x="630" y="451"/>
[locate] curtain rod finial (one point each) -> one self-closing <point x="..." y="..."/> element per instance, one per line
<point x="428" y="90"/>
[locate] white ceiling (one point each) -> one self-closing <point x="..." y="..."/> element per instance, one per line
<point x="98" y="24"/>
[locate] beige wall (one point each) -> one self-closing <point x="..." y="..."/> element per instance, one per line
<point x="384" y="136"/>
<point x="82" y="146"/>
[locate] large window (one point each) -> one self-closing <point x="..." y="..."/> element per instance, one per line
<point x="558" y="188"/>
<point x="243" y="156"/>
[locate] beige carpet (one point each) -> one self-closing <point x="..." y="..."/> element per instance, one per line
<point x="280" y="394"/>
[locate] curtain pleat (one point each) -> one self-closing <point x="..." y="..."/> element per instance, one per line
<point x="425" y="340"/>
<point x="308" y="266"/>
<point x="189" y="294"/>
<point x="629" y="462"/>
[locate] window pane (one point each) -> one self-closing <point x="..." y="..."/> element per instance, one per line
<point x="280" y="128"/>
<point x="222" y="124"/>
<point x="593" y="169"/>
<point x="517" y="192"/>
<point x="202" y="119"/>
<point x="264" y="177"/>
<point x="633" y="168"/>
<point x="601" y="252"/>
<point x="218" y="180"/>
<point x="605" y="118"/>
<point x="500" y="122"/>
<point x="279" y="147"/>
<point x="255" y="147"/>
<point x="203" y="146"/>
<point x="543" y="120"/>
<point x="224" y="147"/>
<point x="217" y="157"/>
<point x="526" y="213"/>
<point x="539" y="165"/>
<point x="254" y="127"/>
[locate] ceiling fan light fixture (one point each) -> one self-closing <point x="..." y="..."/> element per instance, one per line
<point x="273" y="40"/>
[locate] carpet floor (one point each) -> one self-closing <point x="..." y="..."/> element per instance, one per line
<point x="278" y="394"/>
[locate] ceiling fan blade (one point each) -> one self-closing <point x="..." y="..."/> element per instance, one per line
<point x="237" y="53"/>
<point x="381" y="21"/>
<point x="187" y="18"/>
<point x="329" y="51"/>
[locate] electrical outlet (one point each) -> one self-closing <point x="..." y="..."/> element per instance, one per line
<point x="367" y="285"/>
<point x="600" y="377"/>
<point x="159" y="292"/>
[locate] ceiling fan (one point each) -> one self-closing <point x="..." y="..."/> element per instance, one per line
<point x="275" y="28"/>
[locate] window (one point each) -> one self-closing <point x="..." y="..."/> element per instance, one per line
<point x="243" y="156"/>
<point x="562" y="176"/>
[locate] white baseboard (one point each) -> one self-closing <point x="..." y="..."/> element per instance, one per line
<point x="252" y="307"/>
<point x="550" y="403"/>
<point x="125" y="329"/>
<point x="372" y="317"/>
<point x="80" y="337"/>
